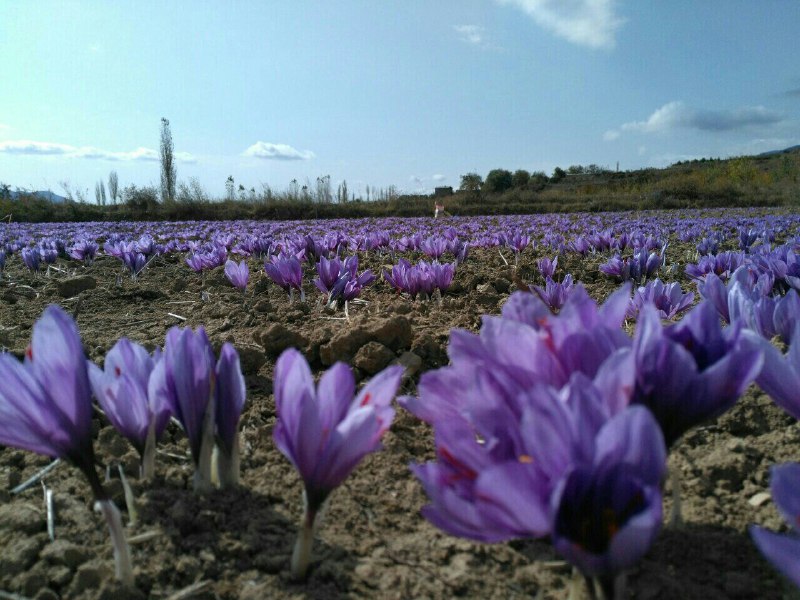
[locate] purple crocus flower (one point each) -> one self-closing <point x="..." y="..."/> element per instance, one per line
<point x="325" y="432"/>
<point x="230" y="398"/>
<point x="184" y="380"/>
<point x="195" y="262"/>
<point x="121" y="389"/>
<point x="783" y="551"/>
<point x="46" y="407"/>
<point x="31" y="258"/>
<point x="327" y="273"/>
<point x="45" y="402"/>
<point x="84" y="250"/>
<point x="547" y="267"/>
<point x="286" y="271"/>
<point x="605" y="515"/>
<point x="398" y="276"/>
<point x="554" y="294"/>
<point x="237" y="274"/>
<point x="434" y="247"/>
<point x="691" y="371"/>
<point x="786" y="315"/>
<point x="134" y="262"/>
<point x="442" y="274"/>
<point x="780" y="375"/>
<point x="668" y="298"/>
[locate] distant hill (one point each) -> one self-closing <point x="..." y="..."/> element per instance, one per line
<point x="45" y="195"/>
<point x="788" y="150"/>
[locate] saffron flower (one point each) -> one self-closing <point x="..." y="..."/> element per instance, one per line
<point x="325" y="432"/>
<point x="31" y="257"/>
<point x="783" y="551"/>
<point x="554" y="294"/>
<point x="230" y="398"/>
<point x="547" y="267"/>
<point x="606" y="514"/>
<point x="287" y="272"/>
<point x="84" y="250"/>
<point x="46" y="408"/>
<point x="780" y="375"/>
<point x="121" y="389"/>
<point x="691" y="371"/>
<point x="184" y="381"/>
<point x="668" y="298"/>
<point x="237" y="274"/>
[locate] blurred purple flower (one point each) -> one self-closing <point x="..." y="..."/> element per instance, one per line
<point x="607" y="514"/>
<point x="121" y="389"/>
<point x="554" y="294"/>
<point x="46" y="407"/>
<point x="45" y="402"/>
<point x="668" y="298"/>
<point x="183" y="380"/>
<point x="31" y="258"/>
<point x="691" y="371"/>
<point x="286" y="271"/>
<point x="230" y="393"/>
<point x="783" y="551"/>
<point x="237" y="274"/>
<point x="547" y="267"/>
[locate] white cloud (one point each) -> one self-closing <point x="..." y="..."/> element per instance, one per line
<point x="270" y="151"/>
<point x="674" y="115"/>
<point x="611" y="135"/>
<point x="415" y="179"/>
<point x="31" y="147"/>
<point x="472" y="34"/>
<point x="591" y="23"/>
<point x="438" y="177"/>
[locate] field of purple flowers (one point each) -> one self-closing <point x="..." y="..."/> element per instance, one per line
<point x="549" y="406"/>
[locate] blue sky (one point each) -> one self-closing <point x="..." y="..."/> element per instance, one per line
<point x="412" y="94"/>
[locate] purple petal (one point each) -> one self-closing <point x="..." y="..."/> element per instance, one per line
<point x="783" y="551"/>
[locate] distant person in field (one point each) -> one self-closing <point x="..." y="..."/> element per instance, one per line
<point x="438" y="208"/>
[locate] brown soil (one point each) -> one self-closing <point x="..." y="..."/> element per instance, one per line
<point x="373" y="542"/>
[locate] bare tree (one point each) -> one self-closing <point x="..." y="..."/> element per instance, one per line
<point x="67" y="187"/>
<point x="100" y="193"/>
<point x="113" y="186"/>
<point x="168" y="172"/>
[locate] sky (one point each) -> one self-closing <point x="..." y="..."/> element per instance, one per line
<point x="407" y="93"/>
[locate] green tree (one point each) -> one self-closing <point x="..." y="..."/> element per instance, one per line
<point x="498" y="180"/>
<point x="471" y="182"/>
<point x="558" y="174"/>
<point x="520" y="178"/>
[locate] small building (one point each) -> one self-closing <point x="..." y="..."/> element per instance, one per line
<point x="441" y="192"/>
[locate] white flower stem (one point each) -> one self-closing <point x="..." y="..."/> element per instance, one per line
<point x="148" y="464"/>
<point x="202" y="471"/>
<point x="122" y="557"/>
<point x="301" y="556"/>
<point x="130" y="501"/>
<point x="226" y="466"/>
